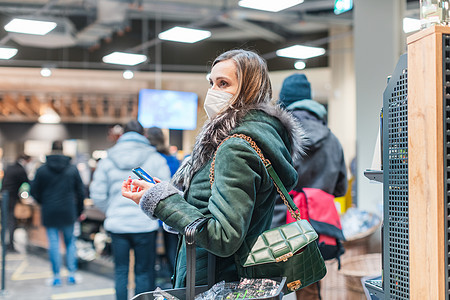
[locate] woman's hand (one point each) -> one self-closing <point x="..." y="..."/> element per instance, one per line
<point x="134" y="188"/>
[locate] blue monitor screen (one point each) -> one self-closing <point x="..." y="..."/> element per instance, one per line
<point x="167" y="109"/>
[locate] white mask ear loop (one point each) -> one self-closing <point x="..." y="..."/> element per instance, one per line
<point x="215" y="101"/>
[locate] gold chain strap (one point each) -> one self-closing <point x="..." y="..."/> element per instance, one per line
<point x="294" y="214"/>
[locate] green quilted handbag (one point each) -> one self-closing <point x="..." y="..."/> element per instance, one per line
<point x="288" y="251"/>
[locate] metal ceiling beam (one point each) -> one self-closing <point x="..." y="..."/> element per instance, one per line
<point x="330" y="19"/>
<point x="101" y="66"/>
<point x="314" y="5"/>
<point x="200" y="13"/>
<point x="10" y="9"/>
<point x="251" y="27"/>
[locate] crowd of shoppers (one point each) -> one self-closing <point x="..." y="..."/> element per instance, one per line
<point x="58" y="189"/>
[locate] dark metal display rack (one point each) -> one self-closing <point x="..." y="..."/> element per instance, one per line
<point x="395" y="283"/>
<point x="396" y="252"/>
<point x="446" y="113"/>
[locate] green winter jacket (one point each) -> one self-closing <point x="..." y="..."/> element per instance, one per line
<point x="240" y="202"/>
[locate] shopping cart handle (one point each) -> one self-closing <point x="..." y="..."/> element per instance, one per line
<point x="190" y="231"/>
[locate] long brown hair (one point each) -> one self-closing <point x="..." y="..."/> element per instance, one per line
<point x="254" y="92"/>
<point x="254" y="85"/>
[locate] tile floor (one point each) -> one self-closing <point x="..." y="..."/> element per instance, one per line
<point x="27" y="276"/>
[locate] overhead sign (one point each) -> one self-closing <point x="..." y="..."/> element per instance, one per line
<point x="341" y="6"/>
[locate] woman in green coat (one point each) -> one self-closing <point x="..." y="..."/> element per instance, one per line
<point x="239" y="204"/>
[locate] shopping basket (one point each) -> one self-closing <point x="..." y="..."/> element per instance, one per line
<point x="190" y="291"/>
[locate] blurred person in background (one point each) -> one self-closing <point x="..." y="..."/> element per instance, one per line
<point x="323" y="165"/>
<point x="129" y="227"/>
<point x="15" y="176"/>
<point x="156" y="137"/>
<point x="58" y="188"/>
<point x="114" y="133"/>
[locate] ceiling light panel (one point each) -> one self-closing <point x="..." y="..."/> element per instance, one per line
<point x="300" y="65"/>
<point x="7" y="53"/>
<point x="300" y="52"/>
<point x="269" y="5"/>
<point x="127" y="74"/>
<point x="122" y="58"/>
<point x="49" y="116"/>
<point x="30" y="26"/>
<point x="46" y="72"/>
<point x="184" y="35"/>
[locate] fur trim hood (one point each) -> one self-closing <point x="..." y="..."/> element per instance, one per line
<point x="217" y="129"/>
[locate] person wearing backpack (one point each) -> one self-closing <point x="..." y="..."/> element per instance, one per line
<point x="321" y="172"/>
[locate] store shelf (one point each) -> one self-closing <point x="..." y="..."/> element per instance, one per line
<point x="375" y="175"/>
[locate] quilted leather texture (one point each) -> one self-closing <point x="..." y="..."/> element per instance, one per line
<point x="279" y="242"/>
<point x="304" y="268"/>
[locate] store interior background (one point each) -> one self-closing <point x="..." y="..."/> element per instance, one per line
<point x="362" y="48"/>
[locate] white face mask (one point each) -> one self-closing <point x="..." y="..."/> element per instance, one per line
<point x="215" y="101"/>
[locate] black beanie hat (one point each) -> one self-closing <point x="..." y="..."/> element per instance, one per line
<point x="295" y="87"/>
<point x="134" y="126"/>
<point x="57" y="146"/>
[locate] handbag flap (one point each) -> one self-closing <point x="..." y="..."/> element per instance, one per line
<point x="280" y="243"/>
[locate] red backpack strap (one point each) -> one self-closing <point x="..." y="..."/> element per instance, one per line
<point x="321" y="207"/>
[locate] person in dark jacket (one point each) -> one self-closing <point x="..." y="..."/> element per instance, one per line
<point x="239" y="203"/>
<point x="15" y="176"/>
<point x="58" y="188"/>
<point x="323" y="165"/>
